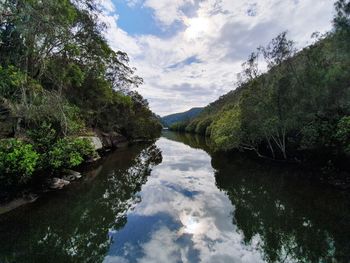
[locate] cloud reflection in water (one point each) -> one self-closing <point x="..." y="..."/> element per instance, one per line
<point x="183" y="216"/>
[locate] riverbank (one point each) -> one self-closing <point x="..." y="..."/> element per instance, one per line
<point x="103" y="145"/>
<point x="317" y="170"/>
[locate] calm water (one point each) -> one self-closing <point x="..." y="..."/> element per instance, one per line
<point x="174" y="202"/>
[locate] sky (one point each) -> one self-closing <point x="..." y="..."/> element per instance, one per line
<point x="183" y="216"/>
<point x="189" y="51"/>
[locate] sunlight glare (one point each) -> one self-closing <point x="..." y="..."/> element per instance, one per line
<point x="196" y="27"/>
<point x="191" y="225"/>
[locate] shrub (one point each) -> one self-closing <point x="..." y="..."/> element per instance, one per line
<point x="18" y="162"/>
<point x="191" y="128"/>
<point x="202" y="126"/>
<point x="69" y="153"/>
<point x="226" y="132"/>
<point x="43" y="137"/>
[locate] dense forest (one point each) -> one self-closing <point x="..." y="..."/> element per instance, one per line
<point x="60" y="81"/>
<point x="298" y="107"/>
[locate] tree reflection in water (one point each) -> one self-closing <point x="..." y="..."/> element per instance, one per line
<point x="291" y="219"/>
<point x="278" y="213"/>
<point x="75" y="223"/>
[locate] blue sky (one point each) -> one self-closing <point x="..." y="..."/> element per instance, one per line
<point x="140" y="20"/>
<point x="190" y="51"/>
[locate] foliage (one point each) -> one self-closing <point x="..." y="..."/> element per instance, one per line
<point x="343" y="134"/>
<point x="59" y="78"/>
<point x="18" y="162"/>
<point x="69" y="153"/>
<point x="43" y="137"/>
<point x="202" y="126"/>
<point x="57" y="67"/>
<point x="226" y="131"/>
<point x="300" y="104"/>
<point x="56" y="152"/>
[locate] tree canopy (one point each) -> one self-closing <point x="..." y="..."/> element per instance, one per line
<point x="300" y="104"/>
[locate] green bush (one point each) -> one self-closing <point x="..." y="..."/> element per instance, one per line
<point x="202" y="126"/>
<point x="226" y="132"/>
<point x="191" y="128"/>
<point x="18" y="162"/>
<point x="43" y="137"/>
<point x="68" y="153"/>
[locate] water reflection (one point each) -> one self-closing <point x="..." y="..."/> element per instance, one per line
<point x="73" y="225"/>
<point x="183" y="216"/>
<point x="185" y="204"/>
<point x="279" y="211"/>
<point x="293" y="219"/>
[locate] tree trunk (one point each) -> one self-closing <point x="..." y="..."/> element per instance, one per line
<point x="271" y="148"/>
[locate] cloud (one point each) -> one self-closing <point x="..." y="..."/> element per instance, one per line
<point x="218" y="34"/>
<point x="167" y="11"/>
<point x="108" y="6"/>
<point x="187" y="61"/>
<point x="183" y="216"/>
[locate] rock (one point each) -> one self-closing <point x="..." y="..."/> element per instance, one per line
<point x="104" y="140"/>
<point x="113" y="140"/>
<point x="95" y="141"/>
<point x="57" y="183"/>
<point x="75" y="173"/>
<point x="92" y="160"/>
<point x="71" y="175"/>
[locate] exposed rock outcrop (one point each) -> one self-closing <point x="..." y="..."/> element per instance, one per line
<point x="112" y="140"/>
<point x="95" y="141"/>
<point x="105" y="141"/>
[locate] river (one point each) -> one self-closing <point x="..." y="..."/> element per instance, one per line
<point x="175" y="201"/>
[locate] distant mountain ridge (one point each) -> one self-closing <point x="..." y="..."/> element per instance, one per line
<point x="181" y="117"/>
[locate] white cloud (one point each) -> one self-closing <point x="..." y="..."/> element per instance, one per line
<point x="197" y="224"/>
<point x="108" y="5"/>
<point x="220" y="36"/>
<point x="167" y="11"/>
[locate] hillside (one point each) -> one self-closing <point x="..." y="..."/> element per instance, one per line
<point x="181" y="117"/>
<point x="298" y="108"/>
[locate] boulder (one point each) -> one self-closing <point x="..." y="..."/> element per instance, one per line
<point x="113" y="140"/>
<point x="107" y="140"/>
<point x="70" y="175"/>
<point x="95" y="141"/>
<point x="95" y="159"/>
<point x="57" y="183"/>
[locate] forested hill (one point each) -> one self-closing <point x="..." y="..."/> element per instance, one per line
<point x="300" y="106"/>
<point x="181" y="117"/>
<point x="60" y="79"/>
